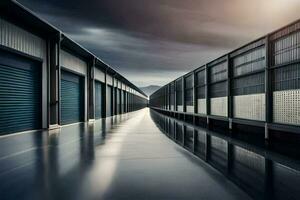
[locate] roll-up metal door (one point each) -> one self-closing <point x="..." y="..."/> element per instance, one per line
<point x="108" y="101"/>
<point x="72" y="97"/>
<point x="98" y="100"/>
<point x="20" y="94"/>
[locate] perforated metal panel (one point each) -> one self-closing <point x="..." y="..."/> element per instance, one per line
<point x="218" y="106"/>
<point x="249" y="107"/>
<point x="202" y="106"/>
<point x="180" y="108"/>
<point x="190" y="109"/>
<point x="286" y="107"/>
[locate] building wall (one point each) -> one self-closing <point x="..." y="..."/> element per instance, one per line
<point x="202" y="106"/>
<point x="286" y="105"/>
<point x="250" y="107"/>
<point x="99" y="75"/>
<point x="218" y="106"/>
<point x="23" y="41"/>
<point x="76" y="65"/>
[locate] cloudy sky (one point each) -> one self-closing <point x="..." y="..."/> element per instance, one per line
<point x="155" y="41"/>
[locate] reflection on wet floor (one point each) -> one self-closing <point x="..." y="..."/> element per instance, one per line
<point x="261" y="172"/>
<point x="123" y="157"/>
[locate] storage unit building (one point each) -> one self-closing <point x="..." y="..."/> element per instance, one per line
<point x="248" y="84"/>
<point x="218" y="87"/>
<point x="73" y="88"/>
<point x="23" y="71"/>
<point x="201" y="90"/>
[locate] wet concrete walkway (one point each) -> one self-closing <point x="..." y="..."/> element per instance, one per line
<point x="124" y="157"/>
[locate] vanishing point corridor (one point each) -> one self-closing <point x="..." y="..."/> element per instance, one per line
<point x="122" y="157"/>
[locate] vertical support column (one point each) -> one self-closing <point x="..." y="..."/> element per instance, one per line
<point x="54" y="82"/>
<point x="207" y="96"/>
<point x="195" y="103"/>
<point x="105" y="93"/>
<point x="91" y="89"/>
<point x="175" y="96"/>
<point x="268" y="88"/>
<point x="183" y="94"/>
<point x="113" y="96"/>
<point x="169" y="97"/>
<point x="229" y="95"/>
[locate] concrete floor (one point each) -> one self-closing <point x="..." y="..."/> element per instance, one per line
<point x="125" y="157"/>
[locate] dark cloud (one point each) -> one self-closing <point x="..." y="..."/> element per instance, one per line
<point x="159" y="40"/>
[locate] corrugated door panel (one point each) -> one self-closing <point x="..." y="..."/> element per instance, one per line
<point x="98" y="100"/>
<point x="20" y="94"/>
<point x="71" y="98"/>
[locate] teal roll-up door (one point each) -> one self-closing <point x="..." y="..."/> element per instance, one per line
<point x="72" y="97"/>
<point x="98" y="100"/>
<point x="20" y="94"/>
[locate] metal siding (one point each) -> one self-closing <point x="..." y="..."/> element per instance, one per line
<point x="71" y="98"/>
<point x="98" y="100"/>
<point x="287" y="49"/>
<point x="16" y="38"/>
<point x="250" y="107"/>
<point x="73" y="63"/>
<point x="202" y="106"/>
<point x="251" y="61"/>
<point x="99" y="75"/>
<point x="218" y="72"/>
<point x="109" y="79"/>
<point x="119" y="84"/>
<point x="218" y="106"/>
<point x="286" y="107"/>
<point x="20" y="94"/>
<point x="190" y="109"/>
<point x="180" y="108"/>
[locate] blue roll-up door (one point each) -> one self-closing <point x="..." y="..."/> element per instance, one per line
<point x="98" y="100"/>
<point x="72" y="97"/>
<point x="20" y="94"/>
